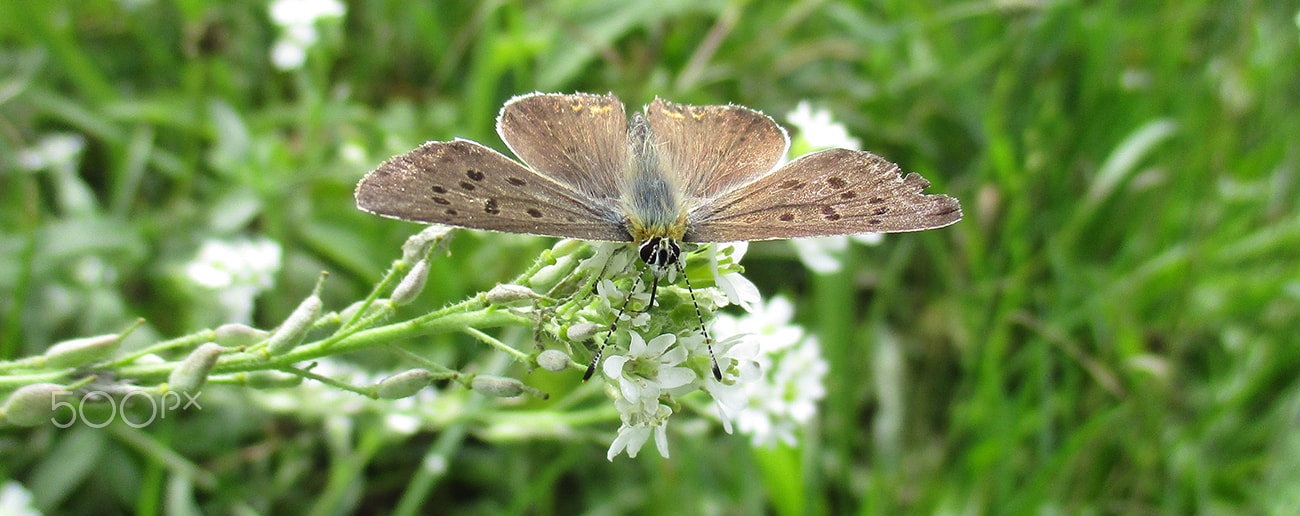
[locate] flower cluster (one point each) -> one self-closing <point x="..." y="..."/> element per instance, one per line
<point x="237" y="270"/>
<point x="297" y="22"/>
<point x="668" y="357"/>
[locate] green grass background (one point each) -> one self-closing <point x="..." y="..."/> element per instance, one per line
<point x="1113" y="328"/>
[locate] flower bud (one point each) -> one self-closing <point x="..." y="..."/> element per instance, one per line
<point x="580" y="332"/>
<point x="550" y="275"/>
<point x="417" y="247"/>
<point x="403" y="384"/>
<point x="192" y="372"/>
<point x="553" y="360"/>
<point x="567" y="246"/>
<point x="412" y="284"/>
<point x="77" y="352"/>
<point x="235" y="335"/>
<point x="295" y="328"/>
<point x="33" y="404"/>
<point x="497" y="386"/>
<point x="506" y="294"/>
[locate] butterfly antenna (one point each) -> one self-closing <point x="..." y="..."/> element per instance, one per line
<point x="708" y="341"/>
<point x="591" y="369"/>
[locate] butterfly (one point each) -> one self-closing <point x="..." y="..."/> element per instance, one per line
<point x="667" y="175"/>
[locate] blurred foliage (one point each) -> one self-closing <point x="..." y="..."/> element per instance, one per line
<point x="1112" y="329"/>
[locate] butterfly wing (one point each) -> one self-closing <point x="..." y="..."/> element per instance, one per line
<point x="832" y="192"/>
<point x="710" y="150"/>
<point x="463" y="183"/>
<point x="578" y="140"/>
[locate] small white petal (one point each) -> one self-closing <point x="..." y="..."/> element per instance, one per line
<point x="661" y="439"/>
<point x="614" y="366"/>
<point x="637" y="347"/>
<point x="658" y="345"/>
<point x="674" y="377"/>
<point x="631" y="391"/>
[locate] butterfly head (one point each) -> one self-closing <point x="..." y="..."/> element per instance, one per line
<point x="660" y="254"/>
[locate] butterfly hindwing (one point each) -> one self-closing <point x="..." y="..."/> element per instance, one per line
<point x="463" y="183"/>
<point x="832" y="192"/>
<point x="712" y="149"/>
<point x="579" y="140"/>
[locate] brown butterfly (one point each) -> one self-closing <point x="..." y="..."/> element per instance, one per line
<point x="670" y="174"/>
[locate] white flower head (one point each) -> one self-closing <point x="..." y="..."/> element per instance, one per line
<point x="297" y="21"/>
<point x="771" y="406"/>
<point x="819" y="130"/>
<point x="645" y="373"/>
<point x="237" y="270"/>
<point x="738" y="289"/>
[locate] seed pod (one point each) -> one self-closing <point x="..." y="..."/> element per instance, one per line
<point x="77" y="352"/>
<point x="403" y="384"/>
<point x="505" y="294"/>
<point x="234" y="335"/>
<point x="412" y="284"/>
<point x="553" y="360"/>
<point x="497" y="386"/>
<point x="192" y="372"/>
<point x="295" y="328"/>
<point x="580" y="332"/>
<point x="417" y="247"/>
<point x="33" y="404"/>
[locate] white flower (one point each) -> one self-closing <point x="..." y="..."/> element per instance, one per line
<point x="56" y="151"/>
<point x="631" y="436"/>
<point x="649" y="368"/>
<point x="297" y="21"/>
<point x="776" y="403"/>
<point x="824" y="255"/>
<point x="16" y="500"/>
<point x="739" y="290"/>
<point x="238" y="270"/>
<point x="819" y="130"/>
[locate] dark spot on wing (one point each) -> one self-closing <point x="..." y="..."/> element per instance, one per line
<point x="441" y="201"/>
<point x="837" y="182"/>
<point x="516" y="181"/>
<point x="874" y="222"/>
<point x="438" y="189"/>
<point x="828" y="213"/>
<point x="451" y="213"/>
<point x="490" y="206"/>
<point x="791" y="184"/>
<point x="786" y="217"/>
<point x="467" y="185"/>
<point x="881" y="210"/>
<point x="534" y="212"/>
<point x="876" y="200"/>
<point x="848" y="195"/>
<point x="474" y="174"/>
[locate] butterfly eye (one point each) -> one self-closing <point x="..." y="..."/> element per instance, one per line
<point x="648" y="249"/>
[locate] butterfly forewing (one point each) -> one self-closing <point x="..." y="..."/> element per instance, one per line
<point x="579" y="140"/>
<point x="712" y="149"/>
<point x="462" y="183"/>
<point x="832" y="192"/>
